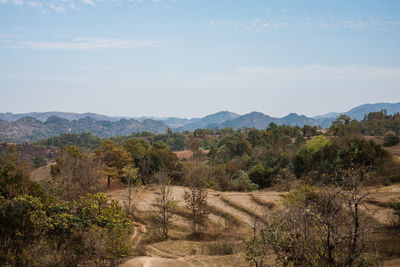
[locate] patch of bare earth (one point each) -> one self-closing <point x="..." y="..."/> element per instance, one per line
<point x="42" y="173"/>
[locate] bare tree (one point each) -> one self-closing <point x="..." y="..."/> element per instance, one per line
<point x="165" y="203"/>
<point x="258" y="245"/>
<point x="132" y="178"/>
<point x="326" y="227"/>
<point x="196" y="195"/>
<point x="145" y="166"/>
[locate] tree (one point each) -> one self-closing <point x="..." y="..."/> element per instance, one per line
<point x="39" y="161"/>
<point x="243" y="183"/>
<point x="257" y="247"/>
<point x="136" y="148"/>
<point x="115" y="158"/>
<point x="130" y="177"/>
<point x="165" y="204"/>
<point x="14" y="176"/>
<point x="325" y="228"/>
<point x="344" y="126"/>
<point x="41" y="230"/>
<point x="196" y="195"/>
<point x="76" y="173"/>
<point x="263" y="175"/>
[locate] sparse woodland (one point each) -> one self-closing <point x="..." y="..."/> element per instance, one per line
<point x="283" y="196"/>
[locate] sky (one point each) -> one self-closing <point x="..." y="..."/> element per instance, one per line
<point x="190" y="58"/>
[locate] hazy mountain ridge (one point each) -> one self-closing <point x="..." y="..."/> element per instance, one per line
<point x="358" y="112"/>
<point x="261" y="121"/>
<point x="25" y="128"/>
<point x="29" y="129"/>
<point x="43" y="116"/>
<point x="213" y="119"/>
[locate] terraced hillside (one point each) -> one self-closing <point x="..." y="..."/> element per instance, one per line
<point x="231" y="219"/>
<point x="232" y="216"/>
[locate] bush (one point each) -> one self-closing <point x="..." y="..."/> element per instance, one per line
<point x="243" y="183"/>
<point x="39" y="162"/>
<point x="390" y="139"/>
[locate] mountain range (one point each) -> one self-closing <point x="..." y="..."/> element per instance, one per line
<point x="358" y="112"/>
<point x="36" y="125"/>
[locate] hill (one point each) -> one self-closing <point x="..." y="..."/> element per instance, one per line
<point x="213" y="119"/>
<point x="29" y="129"/>
<point x="43" y="116"/>
<point x="358" y="112"/>
<point x="261" y="121"/>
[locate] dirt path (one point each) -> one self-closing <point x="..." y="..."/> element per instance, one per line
<point x="154" y="261"/>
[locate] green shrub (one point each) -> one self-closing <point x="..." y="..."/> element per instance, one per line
<point x="243" y="183"/>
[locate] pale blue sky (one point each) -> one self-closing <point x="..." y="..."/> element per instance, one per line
<point x="189" y="58"/>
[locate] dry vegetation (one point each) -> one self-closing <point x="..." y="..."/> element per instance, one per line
<point x="230" y="223"/>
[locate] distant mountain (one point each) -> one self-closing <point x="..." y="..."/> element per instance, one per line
<point x="35" y="125"/>
<point x="213" y="119"/>
<point x="43" y="116"/>
<point x="358" y="112"/>
<point x="261" y="121"/>
<point x="254" y="119"/>
<point x="328" y="115"/>
<point x="178" y="122"/>
<point x="28" y="129"/>
<point x="294" y="119"/>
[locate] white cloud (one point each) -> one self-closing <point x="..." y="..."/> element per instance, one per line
<point x="57" y="8"/>
<point x="3" y="1"/>
<point x="72" y="6"/>
<point x="35" y="4"/>
<point x="17" y="2"/>
<point x="89" y="2"/>
<point x="87" y="44"/>
<point x="262" y="24"/>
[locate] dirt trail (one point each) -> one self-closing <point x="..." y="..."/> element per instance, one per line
<point x="139" y="229"/>
<point x="153" y="262"/>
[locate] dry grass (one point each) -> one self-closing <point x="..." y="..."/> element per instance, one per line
<point x="231" y="217"/>
<point x="242" y="208"/>
<point x="185" y="154"/>
<point x="42" y="174"/>
<point x="262" y="202"/>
